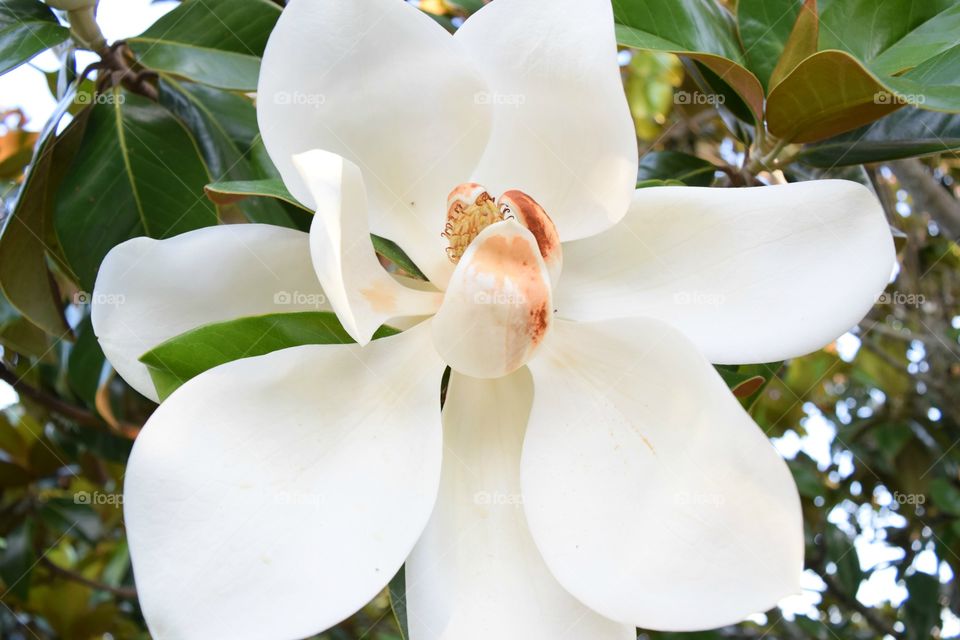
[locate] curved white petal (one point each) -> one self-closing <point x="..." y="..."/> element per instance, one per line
<point x="148" y="291"/>
<point x="381" y="84"/>
<point x="274" y="496"/>
<point x="476" y="574"/>
<point x="652" y="495"/>
<point x="361" y="291"/>
<point x="498" y="306"/>
<point x="562" y="131"/>
<point x="750" y="275"/>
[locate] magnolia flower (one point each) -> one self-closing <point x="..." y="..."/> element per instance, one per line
<point x="589" y="472"/>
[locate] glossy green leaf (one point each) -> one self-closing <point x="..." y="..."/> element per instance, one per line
<point x="843" y="554"/>
<point x="392" y="252"/>
<point x="137" y="173"/>
<point x="876" y="58"/>
<point x="904" y="134"/>
<point x="945" y="496"/>
<point x="890" y="36"/>
<point x="225" y="127"/>
<point x="236" y="190"/>
<point x="765" y="27"/>
<point x="215" y="42"/>
<point x="921" y="611"/>
<point x="398" y="601"/>
<point x="28" y="237"/>
<point x="27" y="27"/>
<point x="85" y="363"/>
<point x="698" y="29"/>
<point x="181" y="358"/>
<point x="673" y="165"/>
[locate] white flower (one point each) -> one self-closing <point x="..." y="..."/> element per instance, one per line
<point x="622" y="485"/>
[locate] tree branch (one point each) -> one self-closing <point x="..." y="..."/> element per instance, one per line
<point x="127" y="593"/>
<point x="929" y="195"/>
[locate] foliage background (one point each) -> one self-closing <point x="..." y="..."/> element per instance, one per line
<point x="764" y="92"/>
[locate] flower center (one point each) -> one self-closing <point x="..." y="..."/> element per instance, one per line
<point x="498" y="304"/>
<point x="471" y="209"/>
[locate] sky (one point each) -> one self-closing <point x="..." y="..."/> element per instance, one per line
<point x="26" y="88"/>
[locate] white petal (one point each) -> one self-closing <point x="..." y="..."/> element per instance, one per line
<point x="148" y="291"/>
<point x="652" y="495"/>
<point x="476" y="574"/>
<point x="750" y="275"/>
<point x="361" y="291"/>
<point x="383" y="85"/>
<point x="497" y="307"/>
<point x="562" y="131"/>
<point x="272" y="497"/>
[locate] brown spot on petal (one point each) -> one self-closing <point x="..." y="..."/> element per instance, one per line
<point x="531" y="215"/>
<point x="381" y="299"/>
<point x="514" y="258"/>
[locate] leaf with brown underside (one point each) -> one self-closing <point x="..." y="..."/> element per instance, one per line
<point x="801" y="45"/>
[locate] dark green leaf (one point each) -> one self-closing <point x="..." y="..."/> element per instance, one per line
<point x="137" y="173"/>
<point x="234" y="191"/>
<point x="904" y="134"/>
<point x="225" y="128"/>
<point x="945" y="496"/>
<point x="391" y="251"/>
<point x="27" y="27"/>
<point x="921" y="611"/>
<point x="215" y="42"/>
<point x="765" y="27"/>
<point x="17" y="560"/>
<point x="28" y="237"/>
<point x="398" y="601"/>
<point x="72" y="516"/>
<point x="698" y="29"/>
<point x="85" y="364"/>
<point x="673" y="165"/>
<point x="843" y="554"/>
<point x="181" y="358"/>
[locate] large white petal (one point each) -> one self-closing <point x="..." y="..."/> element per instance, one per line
<point x="273" y="496"/>
<point x="476" y="574"/>
<point x="562" y="131"/>
<point x="750" y="275"/>
<point x="148" y="291"/>
<point x="652" y="495"/>
<point x="362" y="293"/>
<point x="383" y="85"/>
